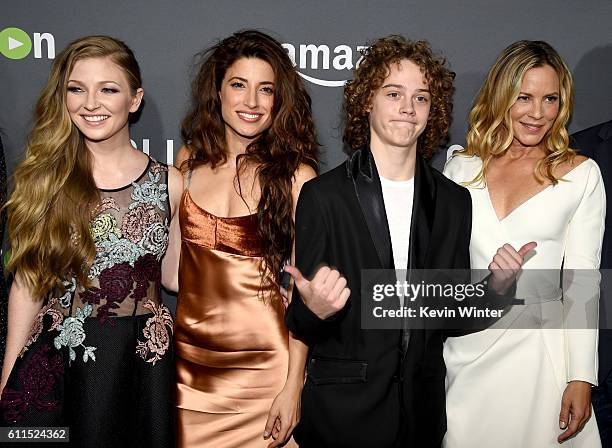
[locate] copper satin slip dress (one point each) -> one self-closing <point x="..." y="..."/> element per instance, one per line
<point x="231" y="346"/>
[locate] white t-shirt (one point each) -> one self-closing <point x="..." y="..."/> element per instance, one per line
<point x="398" y="197"/>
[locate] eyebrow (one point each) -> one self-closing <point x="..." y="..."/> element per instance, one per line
<point x="547" y="94"/>
<point x="246" y="80"/>
<point x="395" y="86"/>
<point x="100" y="82"/>
<point x="399" y="86"/>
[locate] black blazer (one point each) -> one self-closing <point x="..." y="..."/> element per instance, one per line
<point x="596" y="143"/>
<point x="360" y="382"/>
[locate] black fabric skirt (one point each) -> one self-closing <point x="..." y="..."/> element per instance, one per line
<point x="118" y="400"/>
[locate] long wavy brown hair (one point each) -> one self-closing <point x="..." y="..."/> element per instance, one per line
<point x="276" y="153"/>
<point x="49" y="208"/>
<point x="490" y="131"/>
<point x="372" y="72"/>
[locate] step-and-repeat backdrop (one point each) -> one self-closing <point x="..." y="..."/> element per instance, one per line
<point x="323" y="37"/>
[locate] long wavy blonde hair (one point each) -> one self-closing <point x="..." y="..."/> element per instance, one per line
<point x="49" y="209"/>
<point x="491" y="132"/>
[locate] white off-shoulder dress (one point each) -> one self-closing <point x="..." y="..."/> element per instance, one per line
<point x="504" y="386"/>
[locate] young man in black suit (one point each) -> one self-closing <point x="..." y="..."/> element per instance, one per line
<point x="384" y="208"/>
<point x="596" y="142"/>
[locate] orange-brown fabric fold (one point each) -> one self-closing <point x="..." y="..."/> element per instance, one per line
<point x="231" y="341"/>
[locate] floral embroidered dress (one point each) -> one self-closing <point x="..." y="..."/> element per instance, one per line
<point x="100" y="360"/>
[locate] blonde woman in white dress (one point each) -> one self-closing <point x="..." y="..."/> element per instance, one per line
<point x="528" y="388"/>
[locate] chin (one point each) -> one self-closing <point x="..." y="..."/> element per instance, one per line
<point x="97" y="135"/>
<point x="405" y="143"/>
<point x="94" y="136"/>
<point x="249" y="133"/>
<point x="530" y="140"/>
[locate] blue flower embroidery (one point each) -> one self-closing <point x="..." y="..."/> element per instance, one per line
<point x="115" y="251"/>
<point x="72" y="334"/>
<point x="66" y="299"/>
<point x="150" y="192"/>
<point x="155" y="239"/>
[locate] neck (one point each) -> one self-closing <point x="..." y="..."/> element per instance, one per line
<point x="236" y="145"/>
<point x="519" y="151"/>
<point x="394" y="163"/>
<point x="114" y="151"/>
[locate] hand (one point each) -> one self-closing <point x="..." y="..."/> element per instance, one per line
<point x="575" y="409"/>
<point x="325" y="294"/>
<point x="285" y="296"/>
<point x="284" y="416"/>
<point x="506" y="264"/>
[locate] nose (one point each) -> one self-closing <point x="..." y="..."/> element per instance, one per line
<point x="91" y="102"/>
<point x="536" y="111"/>
<point x="407" y="106"/>
<point x="250" y="99"/>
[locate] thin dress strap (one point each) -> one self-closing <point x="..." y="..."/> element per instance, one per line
<point x="188" y="180"/>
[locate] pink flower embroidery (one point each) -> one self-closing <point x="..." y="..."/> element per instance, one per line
<point x="158" y="168"/>
<point x="157" y="333"/>
<point x="105" y="204"/>
<point x="137" y="220"/>
<point x="37" y="327"/>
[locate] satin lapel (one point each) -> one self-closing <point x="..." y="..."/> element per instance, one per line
<point x="362" y="170"/>
<point x="423" y="212"/>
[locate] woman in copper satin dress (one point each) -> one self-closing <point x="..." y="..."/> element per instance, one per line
<point x="249" y="146"/>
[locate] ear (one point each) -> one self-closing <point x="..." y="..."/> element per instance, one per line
<point x="136" y="100"/>
<point x="370" y="101"/>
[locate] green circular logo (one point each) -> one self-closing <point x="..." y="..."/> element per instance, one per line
<point x="15" y="43"/>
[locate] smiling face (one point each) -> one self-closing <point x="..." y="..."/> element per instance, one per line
<point x="247" y="98"/>
<point x="99" y="99"/>
<point x="536" y="107"/>
<point x="400" y="108"/>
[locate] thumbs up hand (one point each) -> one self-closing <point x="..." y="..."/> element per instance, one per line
<point x="506" y="264"/>
<point x="325" y="294"/>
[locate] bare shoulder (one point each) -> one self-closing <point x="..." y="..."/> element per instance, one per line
<point x="175" y="187"/>
<point x="183" y="154"/>
<point x="303" y="174"/>
<point x="174" y="175"/>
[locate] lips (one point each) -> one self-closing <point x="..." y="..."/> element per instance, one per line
<point x="534" y="128"/>
<point x="404" y="122"/>
<point x="95" y="118"/>
<point x="249" y="116"/>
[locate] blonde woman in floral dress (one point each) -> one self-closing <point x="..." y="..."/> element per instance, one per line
<point x="89" y="344"/>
